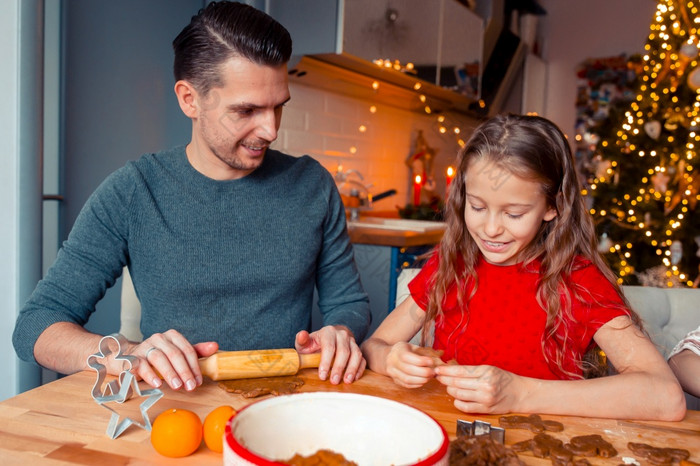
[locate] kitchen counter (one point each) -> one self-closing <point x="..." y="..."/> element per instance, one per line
<point x="362" y="232"/>
<point x="394" y="238"/>
<point x="59" y="423"/>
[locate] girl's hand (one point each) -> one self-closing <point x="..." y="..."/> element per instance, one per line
<point x="407" y="368"/>
<point x="481" y="389"/>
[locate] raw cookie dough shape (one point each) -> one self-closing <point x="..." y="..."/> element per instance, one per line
<point x="658" y="455"/>
<point x="321" y="457"/>
<point x="602" y="446"/>
<point x="544" y="445"/>
<point x="481" y="449"/>
<point x="253" y="388"/>
<point x="532" y="422"/>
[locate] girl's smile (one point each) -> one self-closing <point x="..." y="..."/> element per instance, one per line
<point x="494" y="247"/>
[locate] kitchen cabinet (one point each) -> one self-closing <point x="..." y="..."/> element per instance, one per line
<point x="442" y="33"/>
<point x="438" y="36"/>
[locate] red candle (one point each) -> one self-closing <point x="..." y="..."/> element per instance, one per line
<point x="448" y="179"/>
<point x="416" y="190"/>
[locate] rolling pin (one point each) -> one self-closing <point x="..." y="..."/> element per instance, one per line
<point x="227" y="365"/>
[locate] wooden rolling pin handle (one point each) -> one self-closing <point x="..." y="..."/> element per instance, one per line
<point x="310" y="360"/>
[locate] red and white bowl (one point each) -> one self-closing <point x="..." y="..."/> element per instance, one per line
<point x="365" y="429"/>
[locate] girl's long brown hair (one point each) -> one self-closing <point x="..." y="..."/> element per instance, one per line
<point x="532" y="148"/>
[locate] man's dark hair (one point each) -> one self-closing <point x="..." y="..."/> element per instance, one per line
<point x="223" y="30"/>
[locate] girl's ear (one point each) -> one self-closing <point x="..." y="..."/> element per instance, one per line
<point x="552" y="210"/>
<point x="187" y="98"/>
<point x="550" y="214"/>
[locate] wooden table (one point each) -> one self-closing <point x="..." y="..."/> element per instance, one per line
<point x="59" y="423"/>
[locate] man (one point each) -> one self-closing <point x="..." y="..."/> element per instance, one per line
<point x="224" y="238"/>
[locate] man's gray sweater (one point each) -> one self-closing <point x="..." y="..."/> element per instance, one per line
<point x="234" y="261"/>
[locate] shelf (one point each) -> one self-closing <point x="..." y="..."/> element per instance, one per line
<point x="350" y="75"/>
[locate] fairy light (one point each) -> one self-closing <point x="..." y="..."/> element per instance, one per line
<point x="443" y="125"/>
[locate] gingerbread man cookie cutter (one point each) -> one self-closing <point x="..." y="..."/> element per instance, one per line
<point x="121" y="389"/>
<point x="476" y="428"/>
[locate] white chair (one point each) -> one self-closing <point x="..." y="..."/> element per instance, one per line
<point x="668" y="313"/>
<point x="130" y="309"/>
<point x="402" y="293"/>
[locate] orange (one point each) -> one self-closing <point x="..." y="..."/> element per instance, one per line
<point x="214" y="425"/>
<point x="176" y="433"/>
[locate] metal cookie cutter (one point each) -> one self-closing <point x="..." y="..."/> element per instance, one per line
<point x="476" y="428"/>
<point x="121" y="389"/>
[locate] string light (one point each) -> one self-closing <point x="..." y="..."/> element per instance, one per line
<point x="442" y="120"/>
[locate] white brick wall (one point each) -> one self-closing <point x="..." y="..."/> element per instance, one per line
<point x="326" y="126"/>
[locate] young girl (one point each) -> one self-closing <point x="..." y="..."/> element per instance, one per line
<point x="518" y="295"/>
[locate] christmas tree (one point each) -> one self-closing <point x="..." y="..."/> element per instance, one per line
<point x="643" y="179"/>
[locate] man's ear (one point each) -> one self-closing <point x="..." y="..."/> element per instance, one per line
<point x="187" y="98"/>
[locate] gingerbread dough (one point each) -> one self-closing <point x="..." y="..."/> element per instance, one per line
<point x="435" y="355"/>
<point x="544" y="445"/>
<point x="253" y="388"/>
<point x="532" y="422"/>
<point x="481" y="449"/>
<point x="658" y="455"/>
<point x="602" y="447"/>
<point x="541" y="445"/>
<point x="320" y="458"/>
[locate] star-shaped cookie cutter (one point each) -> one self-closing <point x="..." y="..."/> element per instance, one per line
<point x="121" y="389"/>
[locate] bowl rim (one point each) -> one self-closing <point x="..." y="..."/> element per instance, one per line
<point x="253" y="458"/>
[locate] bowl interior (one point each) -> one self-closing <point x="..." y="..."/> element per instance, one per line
<point x="364" y="429"/>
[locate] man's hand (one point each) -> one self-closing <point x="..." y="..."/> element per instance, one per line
<point x="169" y="355"/>
<point x="338" y="347"/>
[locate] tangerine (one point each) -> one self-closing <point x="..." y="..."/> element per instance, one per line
<point x="214" y="425"/>
<point x="176" y="433"/>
